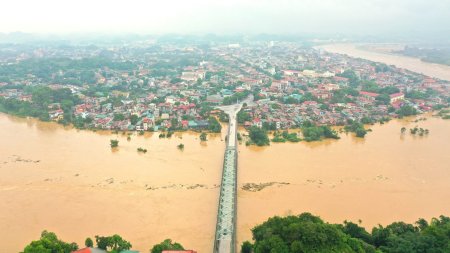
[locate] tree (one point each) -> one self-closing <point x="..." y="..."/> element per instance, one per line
<point x="406" y="110"/>
<point x="258" y="136"/>
<point x="166" y="245"/>
<point x="403" y="130"/>
<point x="88" y="242"/>
<point x="312" y="132"/>
<point x="113" y="243"/>
<point x="246" y="247"/>
<point x="203" y="137"/>
<point x="114" y="143"/>
<point x="118" y="117"/>
<point x="49" y="243"/>
<point x="243" y="116"/>
<point x="214" y="125"/>
<point x="309" y="233"/>
<point x="357" y="128"/>
<point x="360" y="132"/>
<point x="383" y="98"/>
<point x="303" y="233"/>
<point x="134" y="119"/>
<point x="180" y="146"/>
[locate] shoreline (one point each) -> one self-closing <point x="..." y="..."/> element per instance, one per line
<point x="413" y="64"/>
<point x="338" y="128"/>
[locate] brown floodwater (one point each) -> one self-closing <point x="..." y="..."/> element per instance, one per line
<point x="71" y="182"/>
<point x="382" y="178"/>
<point x="375" y="53"/>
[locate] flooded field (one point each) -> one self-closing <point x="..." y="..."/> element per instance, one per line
<point x="71" y="182"/>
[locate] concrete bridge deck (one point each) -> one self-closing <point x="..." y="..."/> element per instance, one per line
<point x="225" y="238"/>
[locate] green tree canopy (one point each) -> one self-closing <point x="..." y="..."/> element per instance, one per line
<point x="49" y="243"/>
<point x="166" y="245"/>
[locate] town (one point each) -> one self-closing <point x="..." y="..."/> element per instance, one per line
<point x="152" y="86"/>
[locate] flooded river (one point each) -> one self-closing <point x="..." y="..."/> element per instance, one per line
<point x="410" y="63"/>
<point x="71" y="182"/>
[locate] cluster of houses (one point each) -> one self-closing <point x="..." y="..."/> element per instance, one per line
<point x="290" y="84"/>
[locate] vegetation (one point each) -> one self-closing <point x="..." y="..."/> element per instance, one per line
<point x="444" y="113"/>
<point x="214" y="125"/>
<point x="166" y="245"/>
<point x="114" y="244"/>
<point x="223" y="117"/>
<point x="312" y="132"/>
<point x="43" y="97"/>
<point x="114" y="143"/>
<point x="203" y="137"/>
<point x="309" y="233"/>
<point x="180" y="146"/>
<point x="243" y="116"/>
<point x="88" y="242"/>
<point x="285" y="136"/>
<point x="357" y="128"/>
<point x="258" y="136"/>
<point x="142" y="150"/>
<point x="239" y="137"/>
<point x="406" y="110"/>
<point x="49" y="243"/>
<point x="238" y="96"/>
<point x="419" y="131"/>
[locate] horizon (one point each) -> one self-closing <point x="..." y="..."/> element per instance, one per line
<point x="323" y="18"/>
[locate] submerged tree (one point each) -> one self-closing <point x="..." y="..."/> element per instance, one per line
<point x="114" y="143"/>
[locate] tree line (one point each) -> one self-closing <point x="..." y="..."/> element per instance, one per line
<point x="310" y="234"/>
<point x="50" y="243"/>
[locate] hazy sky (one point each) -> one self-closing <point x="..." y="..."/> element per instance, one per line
<point x="220" y="16"/>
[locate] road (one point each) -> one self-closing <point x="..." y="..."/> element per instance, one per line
<point x="225" y="238"/>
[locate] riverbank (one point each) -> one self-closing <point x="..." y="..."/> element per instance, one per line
<point x="410" y="63"/>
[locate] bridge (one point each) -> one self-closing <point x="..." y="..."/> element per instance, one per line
<point x="225" y="238"/>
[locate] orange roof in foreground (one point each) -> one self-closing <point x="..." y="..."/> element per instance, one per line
<point x="178" y="251"/>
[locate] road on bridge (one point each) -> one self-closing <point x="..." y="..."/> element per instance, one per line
<point x="225" y="238"/>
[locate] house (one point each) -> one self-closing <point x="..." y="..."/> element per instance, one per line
<point x="56" y="115"/>
<point x="368" y="94"/>
<point x="257" y="122"/>
<point x="397" y="97"/>
<point x="89" y="250"/>
<point x="179" y="251"/>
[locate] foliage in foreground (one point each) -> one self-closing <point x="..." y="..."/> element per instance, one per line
<point x="309" y="233"/>
<point x="113" y="243"/>
<point x="49" y="243"/>
<point x="166" y="245"/>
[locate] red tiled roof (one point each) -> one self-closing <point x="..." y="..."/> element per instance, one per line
<point x="370" y="94"/>
<point x="399" y="94"/>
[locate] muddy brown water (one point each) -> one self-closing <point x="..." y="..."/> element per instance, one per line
<point x="375" y="53"/>
<point x="71" y="182"/>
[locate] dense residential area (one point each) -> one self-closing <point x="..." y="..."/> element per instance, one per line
<point x="151" y="86"/>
